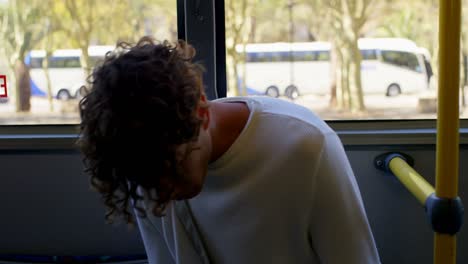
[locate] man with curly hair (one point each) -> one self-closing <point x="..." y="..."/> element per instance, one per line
<point x="233" y="180"/>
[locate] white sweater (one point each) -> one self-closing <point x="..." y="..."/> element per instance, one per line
<point x="284" y="192"/>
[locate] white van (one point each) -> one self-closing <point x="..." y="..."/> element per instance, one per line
<point x="389" y="66"/>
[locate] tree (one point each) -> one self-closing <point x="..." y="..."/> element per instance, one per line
<point x="464" y="50"/>
<point x="314" y="15"/>
<point x="130" y="20"/>
<point x="348" y="18"/>
<point x="86" y="22"/>
<point x="251" y="21"/>
<point x="415" y="20"/>
<point x="20" y="30"/>
<point x="48" y="46"/>
<point x="50" y="25"/>
<point x="238" y="14"/>
<point x="82" y="17"/>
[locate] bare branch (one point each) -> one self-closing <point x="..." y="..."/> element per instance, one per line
<point x="72" y="10"/>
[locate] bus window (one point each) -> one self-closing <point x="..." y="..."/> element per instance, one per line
<point x="319" y="63"/>
<point x="323" y="55"/>
<point x="258" y="57"/>
<point x="277" y="56"/>
<point x="251" y="57"/>
<point x="72" y="63"/>
<point x="369" y="54"/>
<point x="402" y="59"/>
<point x="35" y="63"/>
<point x="56" y="63"/>
<point x="304" y="56"/>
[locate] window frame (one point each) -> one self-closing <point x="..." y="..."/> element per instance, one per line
<point x="352" y="133"/>
<point x="200" y="22"/>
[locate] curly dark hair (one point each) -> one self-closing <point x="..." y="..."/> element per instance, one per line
<point x="141" y="106"/>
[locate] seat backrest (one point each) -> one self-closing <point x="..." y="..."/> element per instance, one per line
<point x="48" y="208"/>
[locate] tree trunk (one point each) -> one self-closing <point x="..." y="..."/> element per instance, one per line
<point x="45" y="67"/>
<point x="347" y="90"/>
<point x="231" y="74"/>
<point x="340" y="83"/>
<point x="333" y="103"/>
<point x="355" y="83"/>
<point x="85" y="61"/>
<point x="236" y="78"/>
<point x="253" y="29"/>
<point x="349" y="85"/>
<point x="23" y="87"/>
<point x="239" y="29"/>
<point x="462" y="77"/>
<point x="243" y="83"/>
<point x="344" y="100"/>
<point x="348" y="19"/>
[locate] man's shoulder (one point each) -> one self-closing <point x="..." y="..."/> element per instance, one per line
<point x="277" y="106"/>
<point x="286" y="110"/>
<point x="275" y="117"/>
<point x="151" y="222"/>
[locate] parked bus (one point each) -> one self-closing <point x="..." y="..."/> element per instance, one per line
<point x="390" y="66"/>
<point x="65" y="71"/>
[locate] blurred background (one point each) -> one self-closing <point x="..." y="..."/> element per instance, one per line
<point x="344" y="59"/>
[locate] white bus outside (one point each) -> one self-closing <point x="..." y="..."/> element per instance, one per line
<point x="389" y="66"/>
<point x="66" y="74"/>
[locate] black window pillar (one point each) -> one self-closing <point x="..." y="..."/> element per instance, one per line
<point x="201" y="24"/>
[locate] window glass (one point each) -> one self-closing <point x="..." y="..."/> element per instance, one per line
<point x="401" y="59"/>
<point x="304" y="56"/>
<point x="277" y="57"/>
<point x="58" y="63"/>
<point x="264" y="57"/>
<point x="72" y="62"/>
<point x="368" y="54"/>
<point x="62" y="27"/>
<point x="323" y="55"/>
<point x="35" y="63"/>
<point x="397" y="41"/>
<point x="251" y="57"/>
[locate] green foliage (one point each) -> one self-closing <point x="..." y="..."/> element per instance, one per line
<point x="20" y="29"/>
<point x="21" y="22"/>
<point x="53" y="24"/>
<point x="416" y="20"/>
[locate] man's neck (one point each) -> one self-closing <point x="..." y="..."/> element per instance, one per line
<point x="228" y="119"/>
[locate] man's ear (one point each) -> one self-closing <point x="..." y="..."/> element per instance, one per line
<point x="204" y="112"/>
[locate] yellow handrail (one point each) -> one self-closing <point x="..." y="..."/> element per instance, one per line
<point x="414" y="182"/>
<point x="448" y="119"/>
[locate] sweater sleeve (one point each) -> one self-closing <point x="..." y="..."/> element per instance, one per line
<point x="339" y="231"/>
<point x="154" y="242"/>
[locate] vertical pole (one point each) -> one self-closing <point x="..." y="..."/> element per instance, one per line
<point x="448" y="119"/>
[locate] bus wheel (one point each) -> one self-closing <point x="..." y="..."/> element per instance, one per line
<point x="292" y="92"/>
<point x="272" y="91"/>
<point x="393" y="90"/>
<point x="63" y="95"/>
<point x="80" y="93"/>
